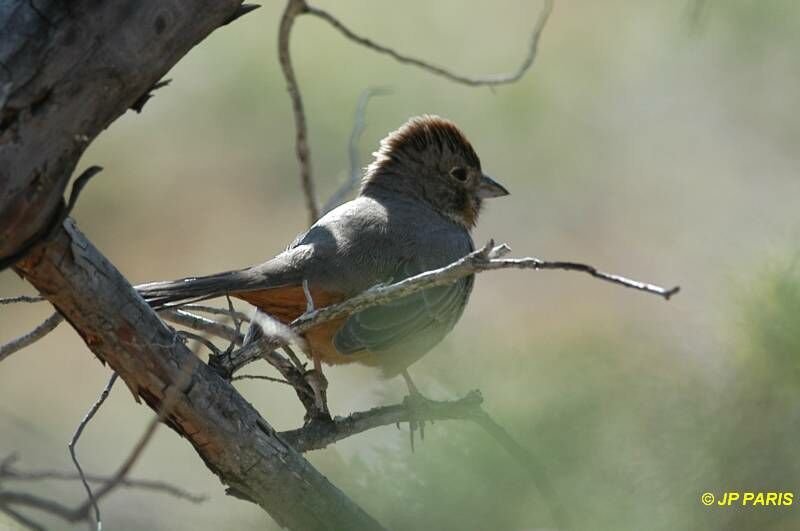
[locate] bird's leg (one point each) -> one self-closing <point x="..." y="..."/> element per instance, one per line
<point x="412" y="387"/>
<point x="413" y="402"/>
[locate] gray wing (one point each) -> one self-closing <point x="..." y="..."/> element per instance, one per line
<point x="406" y="328"/>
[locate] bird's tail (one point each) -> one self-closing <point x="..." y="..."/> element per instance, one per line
<point x="193" y="289"/>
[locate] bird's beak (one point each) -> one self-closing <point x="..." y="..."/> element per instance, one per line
<point x="490" y="188"/>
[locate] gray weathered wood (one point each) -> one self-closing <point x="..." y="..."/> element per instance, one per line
<point x="230" y="436"/>
<point x="67" y="70"/>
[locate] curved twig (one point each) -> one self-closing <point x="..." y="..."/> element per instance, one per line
<point x="202" y="324"/>
<point x="92" y="500"/>
<point x="352" y="148"/>
<point x="31" y="337"/>
<point x="486" y="259"/>
<point x="8" y="472"/>
<point x="293" y="9"/>
<point x="492" y="80"/>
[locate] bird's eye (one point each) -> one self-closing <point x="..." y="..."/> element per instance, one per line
<point x="459" y="173"/>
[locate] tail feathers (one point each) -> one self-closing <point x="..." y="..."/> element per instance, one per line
<point x="193" y="289"/>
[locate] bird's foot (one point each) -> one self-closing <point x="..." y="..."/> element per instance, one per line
<point x="415" y="403"/>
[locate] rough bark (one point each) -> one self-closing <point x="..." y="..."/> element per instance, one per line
<point x="226" y="431"/>
<point x="68" y="69"/>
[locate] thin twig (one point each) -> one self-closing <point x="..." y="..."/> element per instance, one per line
<point x="352" y="149"/>
<point x="318" y="436"/>
<point x="201" y="340"/>
<point x="31" y="337"/>
<point x="229" y="312"/>
<point x="119" y="478"/>
<point x="74" y="441"/>
<point x="292" y="356"/>
<point x="8" y="472"/>
<point x="486" y="259"/>
<point x="35" y="502"/>
<point x="260" y="377"/>
<point x="293" y="9"/>
<point x="202" y="324"/>
<point x="290" y="13"/>
<point x="21" y="298"/>
<point x="21" y="519"/>
<point x="492" y="80"/>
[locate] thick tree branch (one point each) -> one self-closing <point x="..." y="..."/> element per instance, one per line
<point x="56" y="57"/>
<point x="229" y="435"/>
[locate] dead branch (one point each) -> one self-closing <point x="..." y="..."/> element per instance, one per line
<point x="45" y="128"/>
<point x="485" y="259"/>
<point x="49" y="324"/>
<point x="21" y="519"/>
<point x="82" y="511"/>
<point x="227" y="312"/>
<point x="74" y="441"/>
<point x="184" y="318"/>
<point x="290" y="13"/>
<point x="318" y="436"/>
<point x="488" y="258"/>
<point x="352" y="149"/>
<point x="234" y="441"/>
<point x="295" y="8"/>
<point x="232" y="438"/>
<point x="9" y="472"/>
<point x="20" y="298"/>
<point x="492" y="80"/>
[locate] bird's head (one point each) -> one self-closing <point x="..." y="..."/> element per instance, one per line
<point x="429" y="159"/>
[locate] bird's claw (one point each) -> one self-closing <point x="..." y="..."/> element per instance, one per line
<point x="414" y="403"/>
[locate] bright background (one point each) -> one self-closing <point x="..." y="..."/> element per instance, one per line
<point x="649" y="139"/>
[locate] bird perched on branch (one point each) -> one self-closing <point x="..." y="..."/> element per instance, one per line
<point x="419" y="199"/>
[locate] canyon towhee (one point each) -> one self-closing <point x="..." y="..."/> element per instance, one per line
<point x="419" y="200"/>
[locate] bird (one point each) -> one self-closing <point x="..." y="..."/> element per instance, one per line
<point x="419" y="199"/>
